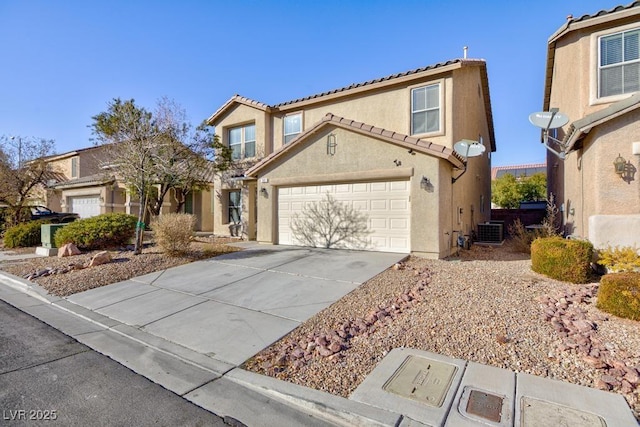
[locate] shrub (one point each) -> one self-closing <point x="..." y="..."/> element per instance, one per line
<point x="98" y="232"/>
<point x="522" y="238"/>
<point x="24" y="235"/>
<point x="619" y="259"/>
<point x="619" y="294"/>
<point x="173" y="232"/>
<point x="562" y="259"/>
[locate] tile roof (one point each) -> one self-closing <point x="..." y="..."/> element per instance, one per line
<point x="515" y="168"/>
<point x="379" y="80"/>
<point x="579" y="128"/>
<point x="86" y="181"/>
<point x="392" y="137"/>
<point x="603" y="12"/>
<point x="237" y="99"/>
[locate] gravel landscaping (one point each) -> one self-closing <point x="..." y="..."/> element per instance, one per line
<point x="486" y="306"/>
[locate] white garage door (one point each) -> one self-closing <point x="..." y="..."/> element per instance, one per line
<point x="85" y="206"/>
<point x="386" y="204"/>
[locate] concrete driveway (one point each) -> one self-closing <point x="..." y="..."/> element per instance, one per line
<point x="231" y="307"/>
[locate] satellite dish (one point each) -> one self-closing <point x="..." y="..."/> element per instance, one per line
<point x="467" y="148"/>
<point x="548" y="119"/>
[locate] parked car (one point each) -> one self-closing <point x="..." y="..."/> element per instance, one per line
<point x="42" y="212"/>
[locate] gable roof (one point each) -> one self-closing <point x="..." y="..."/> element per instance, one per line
<point x="580" y="128"/>
<point x="414" y="74"/>
<point x="233" y="101"/>
<point x="573" y="24"/>
<point x="86" y="181"/>
<point x="391" y="137"/>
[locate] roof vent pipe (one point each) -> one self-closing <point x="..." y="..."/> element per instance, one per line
<point x="464" y="50"/>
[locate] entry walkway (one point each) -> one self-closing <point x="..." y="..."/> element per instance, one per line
<point x="189" y="328"/>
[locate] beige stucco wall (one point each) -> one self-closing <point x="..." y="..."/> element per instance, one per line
<point x="241" y="115"/>
<point x="590" y="185"/>
<point x="308" y="164"/>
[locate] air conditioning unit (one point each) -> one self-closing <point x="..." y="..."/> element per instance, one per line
<point x="490" y="233"/>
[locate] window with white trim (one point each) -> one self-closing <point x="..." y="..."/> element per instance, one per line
<point x="235" y="207"/>
<point x="242" y="141"/>
<point x="425" y="109"/>
<point x="619" y="63"/>
<point x="292" y="127"/>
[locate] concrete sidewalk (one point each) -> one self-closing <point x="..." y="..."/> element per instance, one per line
<point x="190" y="327"/>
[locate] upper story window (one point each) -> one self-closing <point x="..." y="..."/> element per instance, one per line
<point x="619" y="63"/>
<point x="292" y="127"/>
<point x="74" y="167"/>
<point x="242" y="141"/>
<point x="425" y="109"/>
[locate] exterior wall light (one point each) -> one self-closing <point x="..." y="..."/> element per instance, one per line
<point x="619" y="164"/>
<point x="264" y="192"/>
<point x="331" y="144"/>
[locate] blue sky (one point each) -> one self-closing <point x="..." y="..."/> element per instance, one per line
<point x="63" y="61"/>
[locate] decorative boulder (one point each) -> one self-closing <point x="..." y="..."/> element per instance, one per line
<point x="102" y="257"/>
<point x="68" y="249"/>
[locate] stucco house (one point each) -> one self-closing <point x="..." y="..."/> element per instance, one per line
<point x="593" y="77"/>
<point x="385" y="147"/>
<point x="81" y="182"/>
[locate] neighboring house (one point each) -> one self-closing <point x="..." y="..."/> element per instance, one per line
<point x="80" y="182"/>
<point x="384" y="146"/>
<point x="593" y="77"/>
<point x="519" y="171"/>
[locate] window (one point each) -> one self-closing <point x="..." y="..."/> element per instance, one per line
<point x="235" y="206"/>
<point x="74" y="167"/>
<point x="242" y="141"/>
<point x="619" y="63"/>
<point x="425" y="109"/>
<point x="292" y="127"/>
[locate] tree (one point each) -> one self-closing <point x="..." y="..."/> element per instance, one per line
<point x="504" y="192"/>
<point x="330" y="223"/>
<point x="184" y="157"/>
<point x="508" y="191"/>
<point x="22" y="169"/>
<point x="153" y="153"/>
<point x="130" y="135"/>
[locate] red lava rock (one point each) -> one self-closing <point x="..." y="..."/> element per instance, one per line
<point x="594" y="362"/>
<point x="324" y="351"/>
<point x="297" y="353"/>
<point x="603" y="385"/>
<point x="612" y="381"/>
<point x="335" y="347"/>
<point x="321" y="341"/>
<point x="626" y="387"/>
<point x="632" y="377"/>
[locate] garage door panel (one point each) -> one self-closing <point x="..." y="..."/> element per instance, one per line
<point x="385" y="203"/>
<point x="85" y="206"/>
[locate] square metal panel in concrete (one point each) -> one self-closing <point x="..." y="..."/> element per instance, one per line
<point x="110" y="294"/>
<point x="549" y="397"/>
<point x="149" y="307"/>
<point x="287" y="295"/>
<point x="227" y="333"/>
<point x="391" y="385"/>
<point x="424" y="380"/>
<point x="485" y="396"/>
<point x="537" y="412"/>
<point x="202" y="276"/>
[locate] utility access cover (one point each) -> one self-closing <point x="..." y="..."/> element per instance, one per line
<point x="485" y="405"/>
<point x="421" y="379"/>
<point x="541" y="413"/>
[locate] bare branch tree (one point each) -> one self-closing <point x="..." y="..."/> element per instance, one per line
<point x="330" y="223"/>
<point x="22" y="170"/>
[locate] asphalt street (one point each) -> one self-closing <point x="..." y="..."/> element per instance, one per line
<point x="48" y="378"/>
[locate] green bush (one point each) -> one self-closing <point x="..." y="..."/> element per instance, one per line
<point x="98" y="232"/>
<point x="562" y="259"/>
<point x="173" y="232"/>
<point x="24" y="235"/>
<point x="619" y="259"/>
<point x="619" y="294"/>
